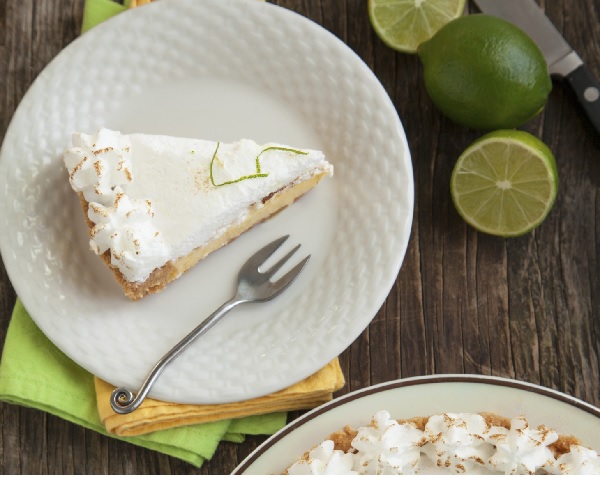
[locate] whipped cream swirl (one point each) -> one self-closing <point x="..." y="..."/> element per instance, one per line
<point x="452" y="443"/>
<point x="100" y="168"/>
<point x="522" y="449"/>
<point x="126" y="229"/>
<point x="97" y="164"/>
<point x="324" y="460"/>
<point x="580" y="461"/>
<point x="387" y="447"/>
<point x="457" y="441"/>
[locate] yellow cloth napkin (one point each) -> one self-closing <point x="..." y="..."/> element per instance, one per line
<point x="155" y="415"/>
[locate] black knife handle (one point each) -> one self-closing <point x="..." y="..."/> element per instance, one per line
<point x="587" y="89"/>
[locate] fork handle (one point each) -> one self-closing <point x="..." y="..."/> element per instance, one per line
<point x="123" y="401"/>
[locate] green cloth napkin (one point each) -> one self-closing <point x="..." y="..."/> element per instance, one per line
<point x="34" y="373"/>
<point x="96" y="11"/>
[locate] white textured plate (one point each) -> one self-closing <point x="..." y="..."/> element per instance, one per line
<point x="424" y="396"/>
<point x="221" y="70"/>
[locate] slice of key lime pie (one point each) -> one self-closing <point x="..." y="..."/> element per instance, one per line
<point x="156" y="205"/>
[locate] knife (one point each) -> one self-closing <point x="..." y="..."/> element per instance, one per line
<point x="563" y="62"/>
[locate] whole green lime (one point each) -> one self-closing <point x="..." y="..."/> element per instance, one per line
<point x="485" y="73"/>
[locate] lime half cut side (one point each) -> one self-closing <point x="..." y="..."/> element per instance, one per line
<point x="505" y="183"/>
<point x="405" y="24"/>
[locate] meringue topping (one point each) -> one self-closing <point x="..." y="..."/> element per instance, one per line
<point x="451" y="443"/>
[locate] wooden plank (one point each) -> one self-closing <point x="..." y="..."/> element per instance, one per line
<point x="463" y="302"/>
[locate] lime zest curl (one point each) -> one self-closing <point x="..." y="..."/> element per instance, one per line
<point x="258" y="170"/>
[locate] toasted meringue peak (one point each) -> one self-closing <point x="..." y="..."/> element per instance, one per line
<point x="451" y="443"/>
<point x="323" y="460"/>
<point x="99" y="163"/>
<point x="126" y="228"/>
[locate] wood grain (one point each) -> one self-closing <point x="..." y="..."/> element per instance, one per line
<point x="463" y="302"/>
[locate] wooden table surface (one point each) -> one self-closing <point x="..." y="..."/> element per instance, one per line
<point x="464" y="302"/>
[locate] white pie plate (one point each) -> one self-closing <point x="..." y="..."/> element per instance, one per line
<point x="220" y="70"/>
<point x="424" y="396"/>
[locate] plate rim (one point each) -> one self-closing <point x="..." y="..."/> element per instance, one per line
<point x="407" y="382"/>
<point x="405" y="225"/>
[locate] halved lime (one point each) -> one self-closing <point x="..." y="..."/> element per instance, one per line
<point x="505" y="183"/>
<point x="405" y="24"/>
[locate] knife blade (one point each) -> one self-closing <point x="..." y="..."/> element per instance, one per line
<point x="563" y="62"/>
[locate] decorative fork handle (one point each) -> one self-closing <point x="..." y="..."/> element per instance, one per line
<point x="123" y="401"/>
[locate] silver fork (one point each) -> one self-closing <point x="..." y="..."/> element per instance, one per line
<point x="253" y="286"/>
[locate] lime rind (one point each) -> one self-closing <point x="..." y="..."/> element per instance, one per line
<point x="505" y="184"/>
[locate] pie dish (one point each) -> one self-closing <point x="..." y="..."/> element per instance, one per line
<point x="426" y="396"/>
